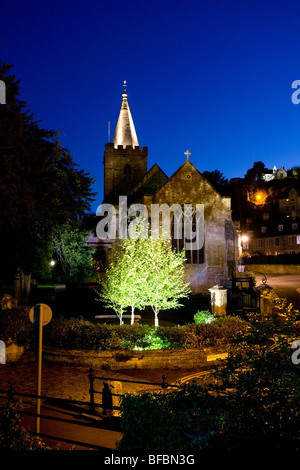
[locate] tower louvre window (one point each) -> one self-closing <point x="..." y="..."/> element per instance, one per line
<point x="127" y="172"/>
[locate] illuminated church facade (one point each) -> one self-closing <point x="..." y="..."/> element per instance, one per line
<point x="126" y="173"/>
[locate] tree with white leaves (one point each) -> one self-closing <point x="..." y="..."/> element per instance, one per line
<point x="125" y="277"/>
<point x="164" y="283"/>
<point x="145" y="271"/>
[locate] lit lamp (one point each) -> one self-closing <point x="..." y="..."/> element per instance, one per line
<point x="52" y="264"/>
<point x="244" y="240"/>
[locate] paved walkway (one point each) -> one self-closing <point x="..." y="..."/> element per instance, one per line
<point x="72" y="383"/>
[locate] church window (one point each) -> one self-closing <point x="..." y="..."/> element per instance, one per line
<point x="193" y="255"/>
<point x="127" y="172"/>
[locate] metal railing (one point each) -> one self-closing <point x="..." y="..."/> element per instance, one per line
<point x="86" y="407"/>
<point x="108" y="403"/>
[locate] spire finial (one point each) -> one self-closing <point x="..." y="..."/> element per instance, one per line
<point x="187" y="153"/>
<point x="124" y="85"/>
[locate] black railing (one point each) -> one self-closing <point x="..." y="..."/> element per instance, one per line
<point x="87" y="407"/>
<point x="107" y="395"/>
<point x="11" y="393"/>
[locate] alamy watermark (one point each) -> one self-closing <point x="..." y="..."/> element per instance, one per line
<point x="296" y="353"/>
<point x="2" y="92"/>
<point x="295" y="95"/>
<point x="175" y="221"/>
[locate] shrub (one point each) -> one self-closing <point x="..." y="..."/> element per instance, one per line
<point x="15" y="324"/>
<point x="204" y="316"/>
<point x="79" y="333"/>
<point x="13" y="435"/>
<point x="252" y="403"/>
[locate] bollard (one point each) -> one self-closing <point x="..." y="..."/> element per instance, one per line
<point x="218" y="300"/>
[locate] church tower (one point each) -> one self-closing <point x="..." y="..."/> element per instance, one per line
<point x="125" y="163"/>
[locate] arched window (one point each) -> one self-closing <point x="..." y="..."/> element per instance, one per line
<point x="186" y="237"/>
<point x="127" y="172"/>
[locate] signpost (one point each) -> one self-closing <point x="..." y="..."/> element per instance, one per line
<point x="40" y="315"/>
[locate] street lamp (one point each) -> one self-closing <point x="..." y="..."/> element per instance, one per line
<point x="52" y="264"/>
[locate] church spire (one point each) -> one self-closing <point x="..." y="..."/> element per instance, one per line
<point x="125" y="133"/>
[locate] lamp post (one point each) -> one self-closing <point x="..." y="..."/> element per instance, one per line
<point x="52" y="264"/>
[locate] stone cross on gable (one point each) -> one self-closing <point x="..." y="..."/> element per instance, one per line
<point x="187" y="153"/>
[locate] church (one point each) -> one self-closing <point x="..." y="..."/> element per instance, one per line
<point x="126" y="173"/>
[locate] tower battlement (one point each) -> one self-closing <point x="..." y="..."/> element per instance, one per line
<point x="126" y="149"/>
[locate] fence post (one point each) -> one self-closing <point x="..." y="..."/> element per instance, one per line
<point x="164" y="384"/>
<point x="92" y="391"/>
<point x="11" y="393"/>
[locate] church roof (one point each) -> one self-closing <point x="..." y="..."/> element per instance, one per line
<point x="125" y="133"/>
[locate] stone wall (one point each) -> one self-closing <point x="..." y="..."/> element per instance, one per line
<point x="115" y="159"/>
<point x="153" y="359"/>
<point x="275" y="268"/>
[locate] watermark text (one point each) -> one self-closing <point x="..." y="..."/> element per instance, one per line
<point x="176" y="221"/>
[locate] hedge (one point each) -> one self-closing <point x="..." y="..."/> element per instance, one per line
<point x="79" y="333"/>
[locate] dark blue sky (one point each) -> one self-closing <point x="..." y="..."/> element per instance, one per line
<point x="210" y="76"/>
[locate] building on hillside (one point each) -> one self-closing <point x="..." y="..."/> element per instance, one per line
<point x="270" y="175"/>
<point x="268" y="225"/>
<point x="126" y="173"/>
<point x="289" y="203"/>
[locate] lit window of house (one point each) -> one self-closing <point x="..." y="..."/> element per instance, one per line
<point x="280" y="228"/>
<point x="265" y="216"/>
<point x="290" y="240"/>
<point x="263" y="229"/>
<point x="294" y="226"/>
<point x="259" y="242"/>
<point x="298" y="239"/>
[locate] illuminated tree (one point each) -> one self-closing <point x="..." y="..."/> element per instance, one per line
<point x="164" y="283"/>
<point x="123" y="285"/>
<point x="144" y="272"/>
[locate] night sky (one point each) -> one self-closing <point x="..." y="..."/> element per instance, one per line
<point x="210" y="76"/>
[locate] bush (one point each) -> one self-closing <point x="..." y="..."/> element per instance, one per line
<point x="78" y="333"/>
<point x="251" y="403"/>
<point x="204" y="316"/>
<point x="15" y="324"/>
<point x="13" y="435"/>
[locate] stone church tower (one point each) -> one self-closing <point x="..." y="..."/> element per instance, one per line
<point x="126" y="174"/>
<point x="125" y="163"/>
